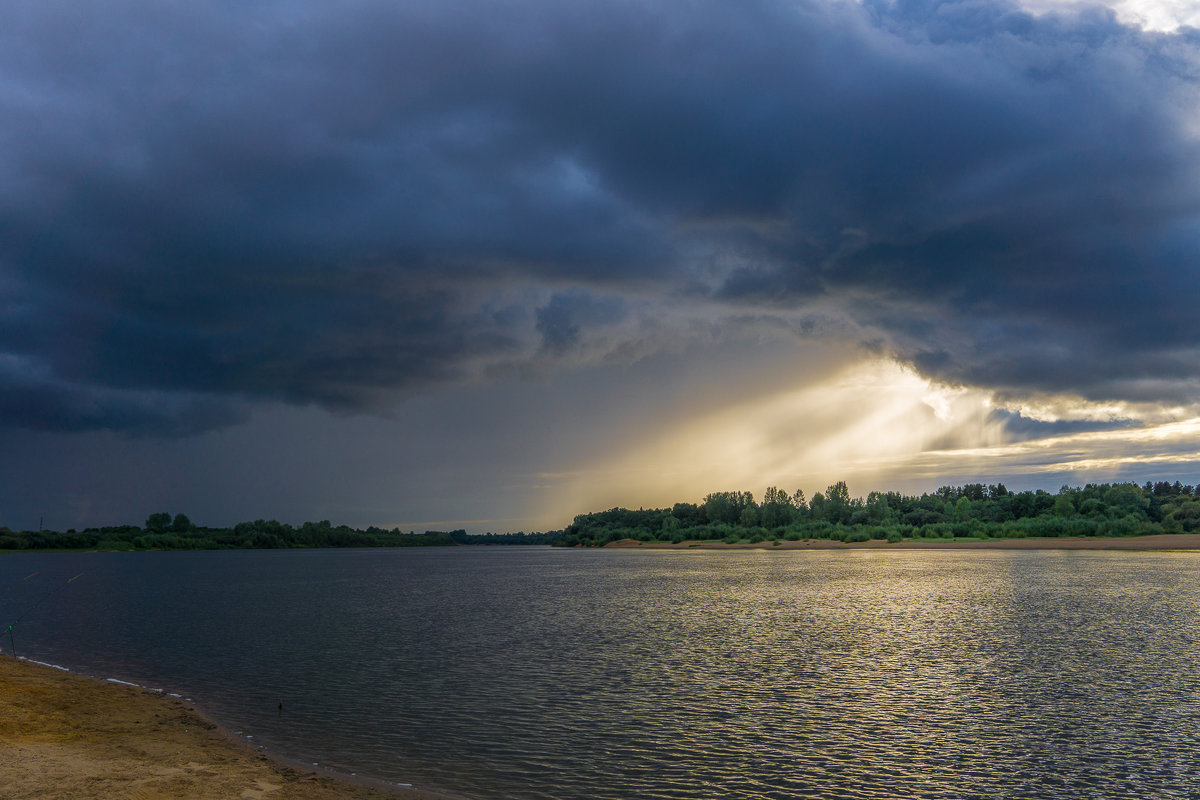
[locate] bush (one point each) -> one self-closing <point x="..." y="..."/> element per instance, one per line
<point x="757" y="535"/>
<point x="158" y="541"/>
<point x="938" y="530"/>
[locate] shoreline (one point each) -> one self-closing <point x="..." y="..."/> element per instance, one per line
<point x="67" y="734"/>
<point x="1160" y="541"/>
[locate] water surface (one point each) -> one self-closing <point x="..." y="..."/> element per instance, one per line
<point x="600" y="674"/>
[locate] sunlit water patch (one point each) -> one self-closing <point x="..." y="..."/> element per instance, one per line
<point x="541" y="673"/>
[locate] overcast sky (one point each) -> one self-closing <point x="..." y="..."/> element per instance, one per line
<point x="480" y="264"/>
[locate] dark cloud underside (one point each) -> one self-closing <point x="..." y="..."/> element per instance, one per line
<point x="207" y="204"/>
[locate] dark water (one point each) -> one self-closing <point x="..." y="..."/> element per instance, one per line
<point x="540" y="673"/>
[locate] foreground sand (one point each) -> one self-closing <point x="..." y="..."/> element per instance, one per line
<point x="64" y="735"/>
<point x="1166" y="541"/>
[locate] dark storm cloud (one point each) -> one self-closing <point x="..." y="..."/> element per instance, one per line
<point x="560" y="320"/>
<point x="202" y="204"/>
<point x="42" y="402"/>
<point x="1020" y="427"/>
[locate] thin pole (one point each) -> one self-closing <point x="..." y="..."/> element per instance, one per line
<point x="29" y="610"/>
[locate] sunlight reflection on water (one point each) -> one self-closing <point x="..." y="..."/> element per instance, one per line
<point x="541" y="673"/>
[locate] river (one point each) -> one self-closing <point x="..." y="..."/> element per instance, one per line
<point x="528" y="672"/>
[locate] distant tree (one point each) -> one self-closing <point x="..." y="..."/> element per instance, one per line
<point x="159" y="522"/>
<point x="973" y="492"/>
<point x="879" y="510"/>
<point x="688" y="514"/>
<point x="181" y="523"/>
<point x="963" y="508"/>
<point x="1063" y="507"/>
<point x="817" y="506"/>
<point x="773" y="495"/>
<point x="1185" y="516"/>
<point x="1023" y="504"/>
<point x="1128" y="498"/>
<point x="727" y="506"/>
<point x="776" y="509"/>
<point x="838" y="507"/>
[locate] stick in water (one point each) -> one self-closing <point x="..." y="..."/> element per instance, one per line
<point x="43" y="599"/>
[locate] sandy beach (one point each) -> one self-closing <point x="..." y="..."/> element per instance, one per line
<point x="65" y="735"/>
<point x="1167" y="541"/>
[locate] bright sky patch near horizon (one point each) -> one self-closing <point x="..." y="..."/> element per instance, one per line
<point x="454" y="265"/>
<point x="1166" y="16"/>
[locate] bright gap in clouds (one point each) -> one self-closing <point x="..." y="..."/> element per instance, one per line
<point x="881" y="426"/>
<point x="1163" y="16"/>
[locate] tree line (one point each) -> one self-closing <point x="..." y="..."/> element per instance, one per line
<point x="971" y="511"/>
<point x="162" y="531"/>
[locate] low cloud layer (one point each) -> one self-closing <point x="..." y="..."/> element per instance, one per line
<point x="205" y="207"/>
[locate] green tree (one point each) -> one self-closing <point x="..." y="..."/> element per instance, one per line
<point x="1185" y="517"/>
<point x="727" y="506"/>
<point x="776" y="509"/>
<point x="1127" y="498"/>
<point x="181" y="524"/>
<point x="838" y="506"/>
<point x="879" y="510"/>
<point x="158" y="523"/>
<point x="818" y="506"/>
<point x="962" y="509"/>
<point x="1063" y="507"/>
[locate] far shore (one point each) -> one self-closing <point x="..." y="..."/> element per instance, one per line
<point x="66" y="735"/>
<point x="1165" y="541"/>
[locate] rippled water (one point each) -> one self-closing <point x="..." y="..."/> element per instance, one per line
<point x="542" y="673"/>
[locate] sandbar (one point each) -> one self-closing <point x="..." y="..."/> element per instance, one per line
<point x="1164" y="541"/>
<point x="67" y="735"/>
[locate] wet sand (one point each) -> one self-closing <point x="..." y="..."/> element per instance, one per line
<point x="65" y="735"/>
<point x="1166" y="541"/>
